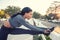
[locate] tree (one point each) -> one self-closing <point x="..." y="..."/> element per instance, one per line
<point x="36" y="15"/>
<point x="12" y="10"/>
<point x="2" y="13"/>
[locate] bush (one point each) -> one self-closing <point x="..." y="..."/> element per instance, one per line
<point x="47" y="38"/>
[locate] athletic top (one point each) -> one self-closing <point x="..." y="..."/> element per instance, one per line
<point x="18" y="20"/>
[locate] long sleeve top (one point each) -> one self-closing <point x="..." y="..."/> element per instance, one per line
<point x="18" y="20"/>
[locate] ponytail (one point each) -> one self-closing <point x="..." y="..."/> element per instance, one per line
<point x="24" y="10"/>
<point x="15" y="15"/>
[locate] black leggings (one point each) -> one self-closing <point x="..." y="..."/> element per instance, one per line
<point x="5" y="31"/>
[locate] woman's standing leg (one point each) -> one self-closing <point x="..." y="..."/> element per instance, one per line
<point x="4" y="33"/>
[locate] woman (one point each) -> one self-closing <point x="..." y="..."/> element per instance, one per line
<point x="10" y="26"/>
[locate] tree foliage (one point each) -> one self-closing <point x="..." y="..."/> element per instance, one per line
<point x="36" y="15"/>
<point x="12" y="10"/>
<point x="2" y="13"/>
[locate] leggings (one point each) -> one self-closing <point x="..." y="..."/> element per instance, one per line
<point x="5" y="31"/>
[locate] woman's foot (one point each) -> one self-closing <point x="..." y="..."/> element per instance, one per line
<point x="51" y="29"/>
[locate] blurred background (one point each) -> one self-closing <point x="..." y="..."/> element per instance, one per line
<point x="46" y="11"/>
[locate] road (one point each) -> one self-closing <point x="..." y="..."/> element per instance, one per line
<point x="49" y="24"/>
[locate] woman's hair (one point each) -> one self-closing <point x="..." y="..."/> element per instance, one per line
<point x="24" y="10"/>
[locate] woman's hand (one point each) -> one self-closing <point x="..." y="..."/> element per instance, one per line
<point x="47" y="32"/>
<point x="7" y="24"/>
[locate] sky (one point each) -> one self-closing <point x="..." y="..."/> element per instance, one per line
<point x="36" y="5"/>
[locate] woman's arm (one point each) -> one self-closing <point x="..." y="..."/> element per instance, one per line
<point x="21" y="20"/>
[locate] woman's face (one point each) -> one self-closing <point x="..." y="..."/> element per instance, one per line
<point x="28" y="15"/>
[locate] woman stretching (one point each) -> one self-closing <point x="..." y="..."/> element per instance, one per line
<point x="11" y="26"/>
